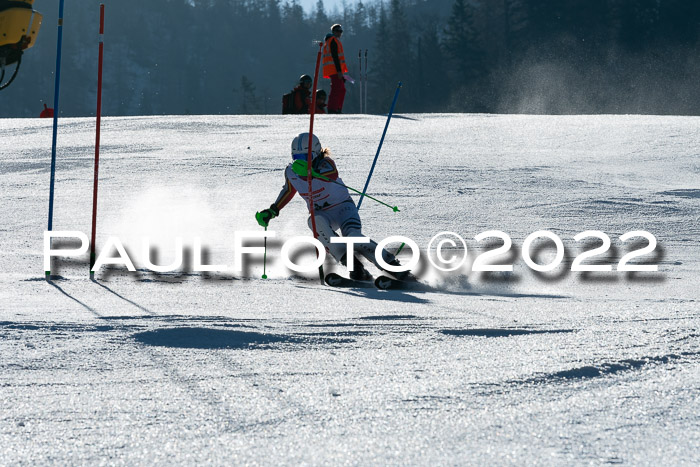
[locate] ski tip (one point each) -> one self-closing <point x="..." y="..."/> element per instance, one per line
<point x="384" y="283"/>
<point x="333" y="279"/>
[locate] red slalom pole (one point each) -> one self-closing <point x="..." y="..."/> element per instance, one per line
<point x="308" y="156"/>
<point x="97" y="140"/>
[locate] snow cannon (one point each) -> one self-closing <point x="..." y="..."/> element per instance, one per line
<point x="19" y="26"/>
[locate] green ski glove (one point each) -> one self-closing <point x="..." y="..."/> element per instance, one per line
<point x="266" y="215"/>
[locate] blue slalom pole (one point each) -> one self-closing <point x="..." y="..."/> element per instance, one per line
<point x="391" y="111"/>
<point x="57" y="84"/>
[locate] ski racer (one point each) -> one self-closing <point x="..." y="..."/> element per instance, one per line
<point x="333" y="207"/>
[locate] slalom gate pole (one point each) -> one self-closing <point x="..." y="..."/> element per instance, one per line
<point x="308" y="156"/>
<point x="365" y="86"/>
<point x="359" y="59"/>
<point x="264" y="276"/>
<point x="57" y="84"/>
<point x="97" y="138"/>
<point x="391" y="111"/>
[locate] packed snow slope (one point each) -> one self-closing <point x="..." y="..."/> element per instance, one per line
<point x="556" y="367"/>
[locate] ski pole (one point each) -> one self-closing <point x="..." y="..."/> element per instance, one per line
<point x="300" y="169"/>
<point x="391" y="111"/>
<point x="309" y="157"/>
<point x="403" y="244"/>
<point x="264" y="276"/>
<point x="393" y="208"/>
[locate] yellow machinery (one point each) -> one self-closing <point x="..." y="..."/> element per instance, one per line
<point x="19" y="26"/>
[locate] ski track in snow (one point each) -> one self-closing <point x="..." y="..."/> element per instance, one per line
<point x="510" y="368"/>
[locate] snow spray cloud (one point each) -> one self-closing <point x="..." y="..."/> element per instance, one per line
<point x="438" y="246"/>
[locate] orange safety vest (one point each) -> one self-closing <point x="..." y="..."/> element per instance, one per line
<point x="328" y="64"/>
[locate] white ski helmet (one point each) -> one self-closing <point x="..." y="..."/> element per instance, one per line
<point x="300" y="146"/>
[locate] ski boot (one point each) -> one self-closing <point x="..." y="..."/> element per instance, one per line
<point x="403" y="275"/>
<point x="359" y="273"/>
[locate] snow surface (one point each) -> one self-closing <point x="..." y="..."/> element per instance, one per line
<point x="221" y="368"/>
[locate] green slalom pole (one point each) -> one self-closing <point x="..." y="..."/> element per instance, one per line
<point x="299" y="167"/>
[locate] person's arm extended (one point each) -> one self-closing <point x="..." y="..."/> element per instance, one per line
<point x="266" y="215"/>
<point x="285" y="196"/>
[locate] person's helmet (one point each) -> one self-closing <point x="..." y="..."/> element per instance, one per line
<point x="336" y="27"/>
<point x="300" y="146"/>
<point x="305" y="79"/>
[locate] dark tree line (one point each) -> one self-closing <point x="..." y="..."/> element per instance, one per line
<point x="240" y="56"/>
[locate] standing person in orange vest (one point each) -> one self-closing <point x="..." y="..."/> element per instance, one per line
<point x="334" y="67"/>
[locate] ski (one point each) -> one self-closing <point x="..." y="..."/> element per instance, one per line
<point x="336" y="280"/>
<point x="386" y="282"/>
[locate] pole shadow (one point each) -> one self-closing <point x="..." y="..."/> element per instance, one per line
<point x="90" y="309"/>
<point x="144" y="309"/>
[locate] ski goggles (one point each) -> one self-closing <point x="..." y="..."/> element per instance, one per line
<point x="303" y="157"/>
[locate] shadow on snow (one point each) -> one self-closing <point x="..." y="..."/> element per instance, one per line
<point x="207" y="338"/>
